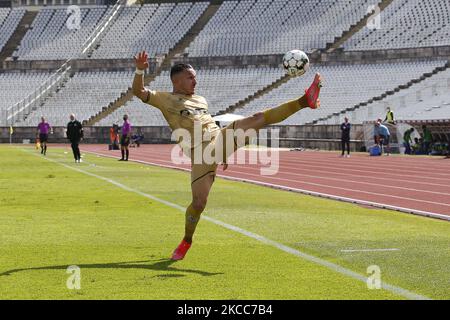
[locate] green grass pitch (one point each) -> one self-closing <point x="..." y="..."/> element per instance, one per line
<point x="52" y="217"/>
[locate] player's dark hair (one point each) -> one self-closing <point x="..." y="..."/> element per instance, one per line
<point x="179" y="67"/>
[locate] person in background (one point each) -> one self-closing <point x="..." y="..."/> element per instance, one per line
<point x="75" y="135"/>
<point x="114" y="137"/>
<point x="389" y="116"/>
<point x="345" y="136"/>
<point x="125" y="138"/>
<point x="137" y="139"/>
<point x="407" y="140"/>
<point x="427" y="139"/>
<point x="382" y="135"/>
<point x="416" y="147"/>
<point x="43" y="129"/>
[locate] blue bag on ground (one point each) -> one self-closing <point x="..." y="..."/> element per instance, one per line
<point x="375" y="151"/>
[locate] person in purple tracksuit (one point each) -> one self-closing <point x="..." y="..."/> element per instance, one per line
<point x="43" y="129"/>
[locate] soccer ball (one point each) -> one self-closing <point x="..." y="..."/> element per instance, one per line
<point x="296" y="62"/>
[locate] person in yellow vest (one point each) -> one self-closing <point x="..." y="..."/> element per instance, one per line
<point x="389" y="116"/>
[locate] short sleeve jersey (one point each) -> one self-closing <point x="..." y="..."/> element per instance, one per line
<point x="184" y="111"/>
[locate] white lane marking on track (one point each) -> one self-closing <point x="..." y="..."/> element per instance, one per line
<point x="337" y="268"/>
<point x="346" y="179"/>
<point x="362" y="163"/>
<point x="308" y="183"/>
<point x="380" y="165"/>
<point x="303" y="191"/>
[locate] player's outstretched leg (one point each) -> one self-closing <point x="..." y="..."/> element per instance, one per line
<point x="309" y="100"/>
<point x="312" y="93"/>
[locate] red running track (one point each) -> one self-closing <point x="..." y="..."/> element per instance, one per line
<point x="412" y="184"/>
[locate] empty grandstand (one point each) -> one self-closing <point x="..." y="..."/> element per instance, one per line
<point x="85" y="94"/>
<point x="345" y="86"/>
<point x="14" y="86"/>
<point x="236" y="49"/>
<point x="407" y="24"/>
<point x="428" y="99"/>
<point x="9" y="19"/>
<point x="155" y="28"/>
<point x="255" y="27"/>
<point x="52" y="37"/>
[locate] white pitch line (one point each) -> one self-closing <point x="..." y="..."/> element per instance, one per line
<point x="337" y="268"/>
<point x="370" y="250"/>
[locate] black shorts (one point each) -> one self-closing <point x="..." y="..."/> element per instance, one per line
<point x="124" y="141"/>
<point x="384" y="140"/>
<point x="43" y="137"/>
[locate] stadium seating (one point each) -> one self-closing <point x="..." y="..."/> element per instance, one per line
<point x="344" y="87"/>
<point x="221" y="88"/>
<point x="85" y="94"/>
<point x="154" y="28"/>
<point x="255" y="27"/>
<point x="247" y="27"/>
<point x="140" y="114"/>
<point x="426" y="100"/>
<point x="9" y="20"/>
<point x="14" y="86"/>
<point x="51" y="39"/>
<point x="407" y="24"/>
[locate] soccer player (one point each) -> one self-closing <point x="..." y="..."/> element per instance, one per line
<point x="125" y="138"/>
<point x="43" y="130"/>
<point x="75" y="134"/>
<point x="182" y="108"/>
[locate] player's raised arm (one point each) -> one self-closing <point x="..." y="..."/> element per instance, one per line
<point x="138" y="82"/>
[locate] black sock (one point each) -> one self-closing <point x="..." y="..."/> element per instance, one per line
<point x="45" y="149"/>
<point x="128" y="153"/>
<point x="123" y="153"/>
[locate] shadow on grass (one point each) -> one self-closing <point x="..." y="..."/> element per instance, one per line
<point x="159" y="265"/>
